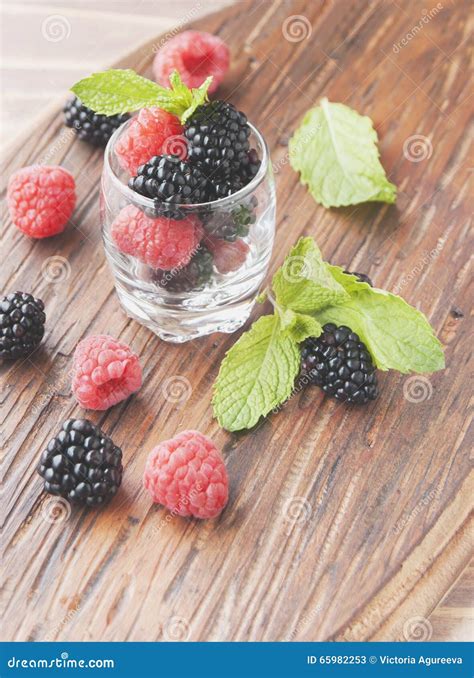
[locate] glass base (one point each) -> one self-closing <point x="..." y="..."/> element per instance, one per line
<point x="179" y="327"/>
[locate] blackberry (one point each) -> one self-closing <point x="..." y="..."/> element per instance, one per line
<point x="169" y="181"/>
<point x="194" y="276"/>
<point x="232" y="224"/>
<point x="223" y="187"/>
<point x="89" y="126"/>
<point x="363" y="277"/>
<point x="81" y="464"/>
<point x="218" y="142"/>
<point x="22" y="321"/>
<point x="249" y="167"/>
<point x="339" y="362"/>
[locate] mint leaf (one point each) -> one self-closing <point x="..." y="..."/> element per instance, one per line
<point x="304" y="283"/>
<point x="256" y="375"/>
<point x="299" y="326"/>
<point x="350" y="282"/>
<point x="185" y="100"/>
<point x="117" y="91"/>
<point x="335" y="151"/>
<point x="398" y="336"/>
<point x="121" y="91"/>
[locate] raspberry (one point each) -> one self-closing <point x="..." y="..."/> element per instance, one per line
<point x="339" y="362"/>
<point x="152" y="132"/>
<point x="228" y="256"/>
<point x="159" y="242"/>
<point x="187" y="475"/>
<point x="105" y="371"/>
<point x="41" y="199"/>
<point x="81" y="464"/>
<point x="195" y="55"/>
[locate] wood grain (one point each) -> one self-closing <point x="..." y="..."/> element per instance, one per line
<point x="453" y="619"/>
<point x="342" y="523"/>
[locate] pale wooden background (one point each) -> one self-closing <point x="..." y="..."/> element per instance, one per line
<point x="45" y="46"/>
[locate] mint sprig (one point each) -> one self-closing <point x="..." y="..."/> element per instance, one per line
<point x="304" y="282"/>
<point x="258" y="373"/>
<point x="398" y="336"/>
<point x="335" y="151"/>
<point x="123" y="91"/>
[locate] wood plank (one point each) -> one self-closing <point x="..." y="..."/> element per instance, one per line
<point x="387" y="489"/>
<point x="453" y="618"/>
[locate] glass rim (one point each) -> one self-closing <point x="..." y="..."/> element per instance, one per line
<point x="150" y="203"/>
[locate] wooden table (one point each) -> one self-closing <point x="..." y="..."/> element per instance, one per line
<point x="343" y="523"/>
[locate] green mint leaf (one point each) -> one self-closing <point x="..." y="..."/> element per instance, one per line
<point x="256" y="375"/>
<point x="187" y="100"/>
<point x="117" y="91"/>
<point x="398" y="336"/>
<point x="304" y="283"/>
<point x="121" y="91"/>
<point x="335" y="151"/>
<point x="350" y="283"/>
<point x="299" y="326"/>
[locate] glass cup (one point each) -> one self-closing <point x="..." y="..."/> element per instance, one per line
<point x="216" y="291"/>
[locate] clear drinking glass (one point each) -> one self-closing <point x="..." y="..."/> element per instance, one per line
<point x="169" y="303"/>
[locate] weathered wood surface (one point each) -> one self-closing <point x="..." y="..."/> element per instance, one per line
<point x="453" y="619"/>
<point x="342" y="523"/>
